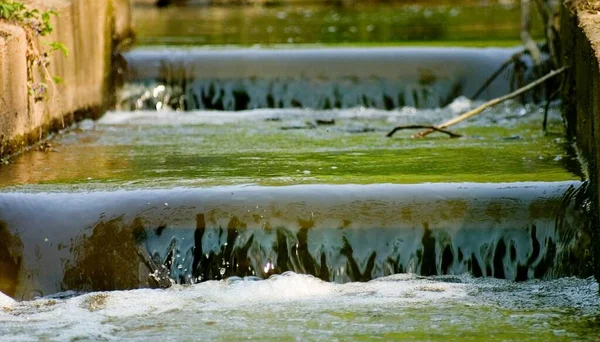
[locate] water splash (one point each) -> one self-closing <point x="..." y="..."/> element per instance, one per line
<point x="401" y="306"/>
<point x="233" y="95"/>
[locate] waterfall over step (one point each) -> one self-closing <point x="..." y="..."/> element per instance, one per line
<point x="148" y="238"/>
<point x="240" y="79"/>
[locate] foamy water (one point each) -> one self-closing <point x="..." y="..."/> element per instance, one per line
<point x="293" y="306"/>
<point x="509" y="113"/>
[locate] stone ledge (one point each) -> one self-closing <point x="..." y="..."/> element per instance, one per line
<point x="13" y="83"/>
<point x="90" y="30"/>
<point x="580" y="36"/>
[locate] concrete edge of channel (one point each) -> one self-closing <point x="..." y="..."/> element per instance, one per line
<point x="91" y="31"/>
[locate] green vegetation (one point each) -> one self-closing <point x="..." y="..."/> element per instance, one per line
<point x="16" y="12"/>
<point x="36" y="23"/>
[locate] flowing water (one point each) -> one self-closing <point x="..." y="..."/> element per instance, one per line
<point x="175" y="199"/>
<point x="253" y="194"/>
<point x="292" y="307"/>
<point x="323" y="78"/>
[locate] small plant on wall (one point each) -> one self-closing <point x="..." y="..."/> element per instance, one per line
<point x="36" y="23"/>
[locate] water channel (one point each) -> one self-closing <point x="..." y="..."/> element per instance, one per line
<point x="243" y="187"/>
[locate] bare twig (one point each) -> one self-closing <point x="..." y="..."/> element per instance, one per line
<point x="526" y="38"/>
<point x="498" y="72"/>
<point x="441" y="130"/>
<point x="549" y="11"/>
<point x="492" y="103"/>
<point x="544" y="11"/>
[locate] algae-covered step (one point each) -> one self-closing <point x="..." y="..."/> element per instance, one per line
<point x="289" y="146"/>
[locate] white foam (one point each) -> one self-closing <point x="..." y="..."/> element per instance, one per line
<point x="297" y="306"/>
<point x="6" y="301"/>
<point x="190" y="118"/>
<point x="402" y="116"/>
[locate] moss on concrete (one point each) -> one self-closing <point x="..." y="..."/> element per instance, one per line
<point x="23" y="142"/>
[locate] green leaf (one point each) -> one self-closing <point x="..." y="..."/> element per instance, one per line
<point x="56" y="46"/>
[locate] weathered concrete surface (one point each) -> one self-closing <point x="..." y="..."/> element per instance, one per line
<point x="580" y="37"/>
<point x="90" y="31"/>
<point x="13" y="82"/>
<point x="122" y="20"/>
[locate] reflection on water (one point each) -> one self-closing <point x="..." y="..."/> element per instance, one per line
<point x="363" y="23"/>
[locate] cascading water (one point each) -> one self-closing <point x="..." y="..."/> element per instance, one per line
<point x="249" y="79"/>
<point x="485" y="235"/>
<point x="119" y="240"/>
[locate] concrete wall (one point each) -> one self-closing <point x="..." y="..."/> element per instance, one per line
<point x="581" y="45"/>
<point x="89" y="29"/>
<point x="14" y="106"/>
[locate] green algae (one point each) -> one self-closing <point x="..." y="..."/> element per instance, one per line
<point x="261" y="152"/>
<point x="463" y="23"/>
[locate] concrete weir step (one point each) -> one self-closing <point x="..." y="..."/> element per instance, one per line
<point x="90" y="31"/>
<point x="318" y="78"/>
<point x="52" y="242"/>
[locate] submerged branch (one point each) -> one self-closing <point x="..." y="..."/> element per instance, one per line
<point x="441" y="130"/>
<point x="492" y="103"/>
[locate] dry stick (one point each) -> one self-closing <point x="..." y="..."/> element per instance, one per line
<point x="492" y="103"/>
<point x="441" y="130"/>
<point x="497" y="73"/>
